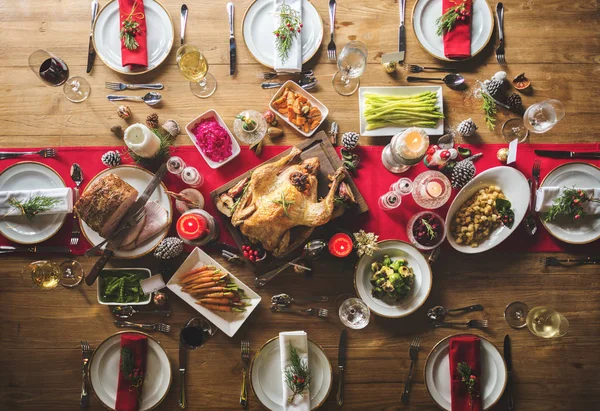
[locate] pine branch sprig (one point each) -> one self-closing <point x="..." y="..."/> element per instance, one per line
<point x="469" y="379"/>
<point x="297" y="375"/>
<point x="128" y="368"/>
<point x="451" y="16"/>
<point x="570" y="204"/>
<point x="490" y="109"/>
<point x="290" y="25"/>
<point x="34" y="205"/>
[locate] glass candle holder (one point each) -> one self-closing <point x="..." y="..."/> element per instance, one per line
<point x="192" y="177"/>
<point x="404" y="186"/>
<point x="431" y="189"/>
<point x="390" y="201"/>
<point x="250" y="127"/>
<point x="405" y="150"/>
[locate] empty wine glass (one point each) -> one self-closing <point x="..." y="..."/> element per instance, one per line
<point x="541" y="117"/>
<point x="351" y="62"/>
<point x="194" y="67"/>
<point x="53" y="71"/>
<point x="354" y="313"/>
<point x="515" y="314"/>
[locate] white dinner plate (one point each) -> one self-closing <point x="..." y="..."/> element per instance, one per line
<point x="493" y="373"/>
<point x="265" y="375"/>
<point x="587" y="228"/>
<point x="515" y="187"/>
<point x="426" y="12"/>
<point x="108" y="44"/>
<point x="229" y="323"/>
<point x="139" y="179"/>
<point x="104" y="372"/>
<point x="398" y="91"/>
<point x="396" y="249"/>
<point x="31" y="176"/>
<point x="258" y="27"/>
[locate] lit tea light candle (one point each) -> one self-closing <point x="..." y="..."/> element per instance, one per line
<point x="434" y="188"/>
<point x="413" y="144"/>
<point x="192" y="226"/>
<point x="340" y="245"/>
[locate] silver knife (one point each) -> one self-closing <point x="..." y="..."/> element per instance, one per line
<point x="232" y="50"/>
<point x="128" y="220"/>
<point x="182" y="366"/>
<point x="399" y="56"/>
<point x="91" y="50"/>
<point x="5" y="249"/>
<point x="567" y="154"/>
<point x="341" y="365"/>
<point x="508" y="360"/>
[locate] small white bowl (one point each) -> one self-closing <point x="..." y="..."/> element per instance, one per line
<point x="299" y="90"/>
<point x="235" y="147"/>
<point x="100" y="285"/>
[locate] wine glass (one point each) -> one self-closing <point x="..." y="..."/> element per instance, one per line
<point x="196" y="332"/>
<point x="46" y="275"/>
<point x="194" y="67"/>
<point x="354" y="313"/>
<point x="515" y="314"/>
<point x="547" y="323"/>
<point x="351" y="62"/>
<point x="53" y="71"/>
<point x="538" y="118"/>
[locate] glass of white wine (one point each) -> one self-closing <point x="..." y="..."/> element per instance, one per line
<point x="43" y="274"/>
<point x="194" y="67"/>
<point x="546" y="322"/>
<point x="351" y="62"/>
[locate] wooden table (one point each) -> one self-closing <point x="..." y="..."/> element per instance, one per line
<point x="556" y="43"/>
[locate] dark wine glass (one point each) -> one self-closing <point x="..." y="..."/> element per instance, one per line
<point x="53" y="71"/>
<point x="196" y="332"/>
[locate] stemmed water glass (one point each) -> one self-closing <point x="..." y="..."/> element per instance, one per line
<point x="538" y="118"/>
<point x="194" y="67"/>
<point x="351" y="62"/>
<point x="53" y="71"/>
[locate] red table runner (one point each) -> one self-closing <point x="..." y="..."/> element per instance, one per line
<point x="372" y="180"/>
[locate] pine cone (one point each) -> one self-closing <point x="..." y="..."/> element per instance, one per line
<point x="350" y="140"/>
<point x="514" y="101"/>
<point x="117" y="130"/>
<point x="494" y="87"/>
<point x="152" y="120"/>
<point x="462" y="173"/>
<point x="466" y="127"/>
<point x="111" y="158"/>
<point x="168" y="248"/>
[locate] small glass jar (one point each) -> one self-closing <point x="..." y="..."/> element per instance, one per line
<point x="404" y="186"/>
<point x="389" y="201"/>
<point x="188" y="223"/>
<point x="192" y="177"/>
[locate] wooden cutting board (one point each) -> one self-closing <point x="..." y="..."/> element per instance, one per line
<point x="318" y="146"/>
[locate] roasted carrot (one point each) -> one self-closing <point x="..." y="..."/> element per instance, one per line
<point x="195" y="271"/>
<point x="221" y="301"/>
<point x="203" y="280"/>
<point x="222" y="308"/>
<point x="193" y="288"/>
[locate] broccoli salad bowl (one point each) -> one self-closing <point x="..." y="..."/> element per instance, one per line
<point x="395" y="281"/>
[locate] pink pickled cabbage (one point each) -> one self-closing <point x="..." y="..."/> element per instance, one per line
<point x="213" y="139"/>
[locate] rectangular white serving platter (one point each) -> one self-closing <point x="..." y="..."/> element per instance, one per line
<point x="397" y="91"/>
<point x="229" y="323"/>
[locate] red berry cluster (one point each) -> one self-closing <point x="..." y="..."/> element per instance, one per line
<point x="577" y="203"/>
<point x="131" y="27"/>
<point x="462" y="12"/>
<point x="251" y="254"/>
<point x="298" y="380"/>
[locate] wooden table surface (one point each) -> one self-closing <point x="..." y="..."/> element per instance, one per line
<point x="556" y="43"/>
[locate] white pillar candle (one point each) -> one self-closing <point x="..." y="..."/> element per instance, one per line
<point x="141" y="140"/>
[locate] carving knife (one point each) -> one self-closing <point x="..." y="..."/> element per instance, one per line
<point x="567" y="154"/>
<point x="128" y="219"/>
<point x="5" y="249"/>
<point x="91" y="50"/>
<point x="399" y="56"/>
<point x="182" y="367"/>
<point x="341" y="366"/>
<point x="232" y="49"/>
<point x="508" y="360"/>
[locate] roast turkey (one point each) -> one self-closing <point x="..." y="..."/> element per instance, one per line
<point x="281" y="198"/>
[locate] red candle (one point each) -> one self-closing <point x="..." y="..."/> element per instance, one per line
<point x="340" y="245"/>
<point x="192" y="226"/>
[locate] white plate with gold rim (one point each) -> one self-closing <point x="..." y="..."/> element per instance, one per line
<point x="266" y="377"/>
<point x="419" y="292"/>
<point x="587" y="228"/>
<point x="258" y="27"/>
<point x="33" y="176"/>
<point x="493" y="373"/>
<point x="160" y="36"/>
<point x="104" y="372"/>
<point x="426" y="12"/>
<point x="138" y="178"/>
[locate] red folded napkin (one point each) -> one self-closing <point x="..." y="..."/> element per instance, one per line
<point x="135" y="10"/>
<point x="457" y="42"/>
<point x="465" y="349"/>
<point x="127" y="393"/>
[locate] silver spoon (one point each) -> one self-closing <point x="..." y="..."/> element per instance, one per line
<point x="126" y="311"/>
<point x="312" y="250"/>
<point x="150" y="98"/>
<point x="438" y="313"/>
<point x="452" y="80"/>
<point x="286" y="299"/>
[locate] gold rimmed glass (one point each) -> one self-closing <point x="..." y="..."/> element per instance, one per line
<point x="194" y="67"/>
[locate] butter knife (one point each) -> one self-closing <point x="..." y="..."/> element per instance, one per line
<point x="91" y="50"/>
<point x="341" y="366"/>
<point x="182" y="366"/>
<point x="5" y="249"/>
<point x="232" y="48"/>
<point x="508" y="360"/>
<point x="128" y="220"/>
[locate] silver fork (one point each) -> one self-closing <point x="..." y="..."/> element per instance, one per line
<point x="90" y="252"/>
<point x="412" y="352"/>
<point x="331" y="52"/>
<point x="163" y="328"/>
<point x="246" y="364"/>
<point x="500" y="50"/>
<point x="470" y="324"/>
<point x="313" y="312"/>
<point x="86" y="353"/>
<point x="413" y="68"/>
<point x="111" y="85"/>
<point x="45" y="152"/>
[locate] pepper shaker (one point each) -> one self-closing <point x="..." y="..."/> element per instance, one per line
<point x="333" y="132"/>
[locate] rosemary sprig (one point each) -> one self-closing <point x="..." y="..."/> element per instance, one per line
<point x="239" y="199"/>
<point x="570" y="204"/>
<point x="290" y="26"/>
<point x="469" y="379"/>
<point x="430" y="231"/>
<point x="285" y="203"/>
<point x="297" y="375"/>
<point x="447" y="21"/>
<point x="34" y="205"/>
<point x="489" y="108"/>
<point x="128" y="368"/>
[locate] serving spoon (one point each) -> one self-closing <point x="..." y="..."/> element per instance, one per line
<point x="438" y="313"/>
<point x="152" y="98"/>
<point x="452" y="80"/>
